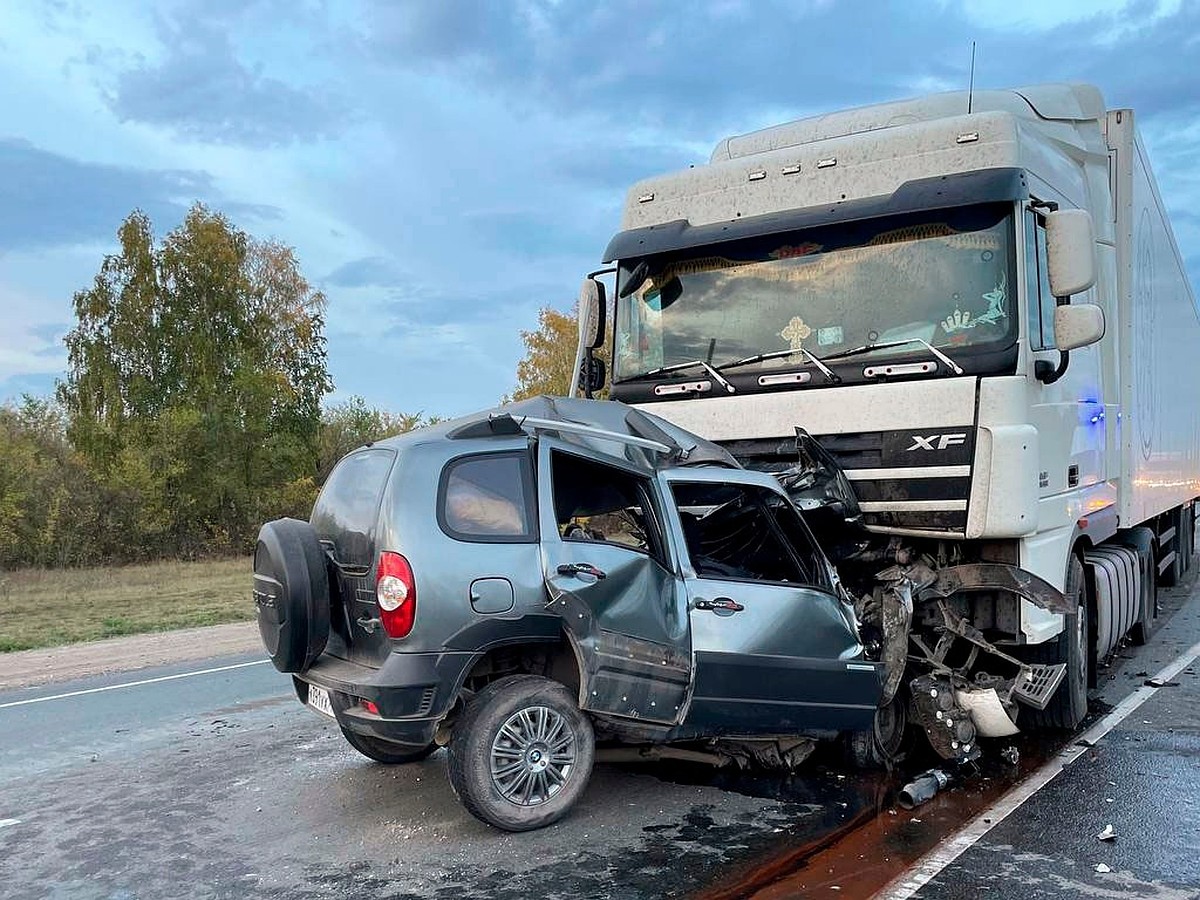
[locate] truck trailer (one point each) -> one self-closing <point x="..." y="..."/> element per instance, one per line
<point x="960" y="331"/>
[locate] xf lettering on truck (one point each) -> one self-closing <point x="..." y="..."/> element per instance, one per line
<point x="942" y="441"/>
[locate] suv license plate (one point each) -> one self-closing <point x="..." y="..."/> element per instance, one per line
<point x="318" y="699"/>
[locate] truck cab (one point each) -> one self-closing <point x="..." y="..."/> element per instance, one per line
<point x="974" y="304"/>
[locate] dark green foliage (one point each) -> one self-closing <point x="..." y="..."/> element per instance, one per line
<point x="49" y="501"/>
<point x="191" y="411"/>
<point x="195" y="377"/>
<point x="352" y="423"/>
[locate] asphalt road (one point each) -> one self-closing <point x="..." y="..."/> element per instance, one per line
<point x="219" y="784"/>
<point x="208" y="779"/>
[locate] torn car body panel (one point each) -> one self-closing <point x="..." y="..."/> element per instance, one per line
<point x="730" y="624"/>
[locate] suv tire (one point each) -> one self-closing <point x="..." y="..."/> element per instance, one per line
<point x="383" y="751"/>
<point x="291" y="593"/>
<point x="887" y="742"/>
<point x="522" y="753"/>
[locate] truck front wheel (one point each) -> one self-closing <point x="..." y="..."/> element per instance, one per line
<point x="1068" y="706"/>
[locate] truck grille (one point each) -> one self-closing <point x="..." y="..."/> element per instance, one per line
<point x="916" y="479"/>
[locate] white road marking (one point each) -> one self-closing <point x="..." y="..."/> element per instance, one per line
<point x="939" y="858"/>
<point x="129" y="684"/>
<point x="4" y="823"/>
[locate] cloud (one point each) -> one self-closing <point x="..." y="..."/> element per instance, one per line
<point x="47" y="199"/>
<point x="367" y="271"/>
<point x="50" y="333"/>
<point x="202" y="91"/>
<point x="714" y="66"/>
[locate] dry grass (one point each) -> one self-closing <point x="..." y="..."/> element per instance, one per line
<point x="42" y="608"/>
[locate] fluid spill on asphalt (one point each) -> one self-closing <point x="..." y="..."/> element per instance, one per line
<point x="858" y="840"/>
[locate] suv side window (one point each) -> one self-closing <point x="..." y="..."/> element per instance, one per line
<point x="348" y="507"/>
<point x="488" y="498"/>
<point x="596" y="502"/>
<point x="737" y="532"/>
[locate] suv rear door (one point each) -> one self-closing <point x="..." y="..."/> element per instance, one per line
<point x="607" y="573"/>
<point x="345" y="518"/>
<point x="776" y="650"/>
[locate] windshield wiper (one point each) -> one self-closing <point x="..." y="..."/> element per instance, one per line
<point x="679" y="367"/>
<point x="781" y="354"/>
<point x="886" y="345"/>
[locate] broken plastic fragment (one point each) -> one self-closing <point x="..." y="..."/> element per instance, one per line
<point x="987" y="712"/>
<point x="1107" y="834"/>
<point x="1160" y="682"/>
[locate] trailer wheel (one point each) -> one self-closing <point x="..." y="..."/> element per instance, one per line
<point x="1068" y="706"/>
<point x="1189" y="536"/>
<point x="1172" y="574"/>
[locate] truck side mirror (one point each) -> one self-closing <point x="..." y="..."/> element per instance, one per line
<point x="592" y="375"/>
<point x="1070" y="251"/>
<point x="1077" y="325"/>
<point x="592" y="308"/>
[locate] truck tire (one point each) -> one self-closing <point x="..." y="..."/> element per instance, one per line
<point x="291" y="593"/>
<point x="521" y="754"/>
<point x="385" y="752"/>
<point x="1142" y="540"/>
<point x="1068" y="706"/>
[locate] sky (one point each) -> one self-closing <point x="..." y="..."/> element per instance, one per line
<point x="445" y="168"/>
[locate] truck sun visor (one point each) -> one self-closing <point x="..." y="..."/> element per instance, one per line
<point x="940" y="192"/>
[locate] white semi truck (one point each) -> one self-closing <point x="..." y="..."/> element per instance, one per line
<point x="958" y="328"/>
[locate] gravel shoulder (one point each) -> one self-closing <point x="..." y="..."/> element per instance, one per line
<point x="27" y="668"/>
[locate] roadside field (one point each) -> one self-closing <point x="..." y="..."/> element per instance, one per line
<point x="44" y="608"/>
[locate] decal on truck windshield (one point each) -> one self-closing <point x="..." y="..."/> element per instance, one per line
<point x="960" y="320"/>
<point x="795" y="332"/>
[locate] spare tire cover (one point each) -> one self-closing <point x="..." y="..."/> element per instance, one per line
<point x="291" y="593"/>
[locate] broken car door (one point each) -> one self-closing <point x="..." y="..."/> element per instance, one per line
<point x="605" y="563"/>
<point x="776" y="650"/>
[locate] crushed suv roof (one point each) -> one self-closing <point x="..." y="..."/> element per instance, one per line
<point x="585" y="423"/>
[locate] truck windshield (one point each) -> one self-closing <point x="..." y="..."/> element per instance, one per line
<point x="945" y="277"/>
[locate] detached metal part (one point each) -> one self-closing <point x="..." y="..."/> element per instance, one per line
<point x="954" y="703"/>
<point x="949" y="727"/>
<point x="923" y="788"/>
<point x="996" y="577"/>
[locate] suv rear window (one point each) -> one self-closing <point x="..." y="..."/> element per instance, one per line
<point x="488" y="498"/>
<point x="347" y="510"/>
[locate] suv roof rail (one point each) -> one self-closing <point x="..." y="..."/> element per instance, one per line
<point x="498" y="424"/>
<point x="591" y="431"/>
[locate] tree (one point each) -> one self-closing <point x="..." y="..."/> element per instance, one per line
<point x="48" y="498"/>
<point x="195" y="376"/>
<point x="549" y="357"/>
<point x="352" y="423"/>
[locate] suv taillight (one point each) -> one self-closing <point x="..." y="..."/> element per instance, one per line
<point x="396" y="594"/>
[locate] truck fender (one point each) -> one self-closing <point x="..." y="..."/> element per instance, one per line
<point x="996" y="577"/>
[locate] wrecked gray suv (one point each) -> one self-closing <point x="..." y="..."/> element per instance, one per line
<point x="519" y="584"/>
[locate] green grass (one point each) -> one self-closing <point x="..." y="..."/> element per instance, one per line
<point x="44" y="608"/>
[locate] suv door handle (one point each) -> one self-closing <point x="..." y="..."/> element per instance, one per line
<point x="720" y="605"/>
<point x="582" y="569"/>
